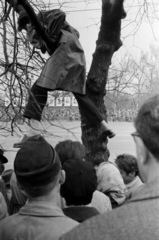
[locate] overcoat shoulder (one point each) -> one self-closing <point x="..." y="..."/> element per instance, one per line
<point x="66" y="67"/>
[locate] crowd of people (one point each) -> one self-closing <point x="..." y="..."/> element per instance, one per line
<point x="54" y="193"/>
<point x="72" y="113"/>
<point x="65" y="113"/>
<point x="122" y="114"/>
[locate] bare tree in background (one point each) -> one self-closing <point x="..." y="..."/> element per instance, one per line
<point x="136" y="78"/>
<point x="19" y="65"/>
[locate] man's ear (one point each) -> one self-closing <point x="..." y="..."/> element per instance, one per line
<point x="62" y="177"/>
<point x="141" y="150"/>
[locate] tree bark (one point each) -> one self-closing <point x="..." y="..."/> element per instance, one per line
<point x="94" y="139"/>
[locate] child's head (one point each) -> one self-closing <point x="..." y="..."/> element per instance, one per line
<point x="128" y="167"/>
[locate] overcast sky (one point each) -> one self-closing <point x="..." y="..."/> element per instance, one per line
<point x="137" y="33"/>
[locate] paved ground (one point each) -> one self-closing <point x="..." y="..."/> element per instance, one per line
<point x="122" y="143"/>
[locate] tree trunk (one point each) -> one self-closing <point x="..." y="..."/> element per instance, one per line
<point x="94" y="139"/>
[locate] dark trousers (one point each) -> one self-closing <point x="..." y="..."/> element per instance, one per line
<point x="38" y="98"/>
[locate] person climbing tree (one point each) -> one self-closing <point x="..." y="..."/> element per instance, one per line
<point x="64" y="70"/>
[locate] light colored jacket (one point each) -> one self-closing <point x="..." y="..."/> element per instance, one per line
<point x="101" y="202"/>
<point x="110" y="181"/>
<point x="36" y="221"/>
<point x="133" y="187"/>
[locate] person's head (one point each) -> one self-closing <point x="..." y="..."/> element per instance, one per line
<point x="69" y="149"/>
<point x="37" y="168"/>
<point x="147" y="138"/>
<point x="80" y="183"/>
<point x="128" y="167"/>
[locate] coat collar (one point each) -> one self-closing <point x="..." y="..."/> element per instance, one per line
<point x="129" y="185"/>
<point x="147" y="191"/>
<point x="39" y="208"/>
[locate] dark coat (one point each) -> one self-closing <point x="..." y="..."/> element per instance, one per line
<point x="65" y="69"/>
<point x="80" y="213"/>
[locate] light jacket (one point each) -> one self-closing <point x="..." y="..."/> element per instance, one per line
<point x="36" y="221"/>
<point x="110" y="181"/>
<point x="133" y="187"/>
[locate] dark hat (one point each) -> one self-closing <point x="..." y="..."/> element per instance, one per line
<point x="6" y="176"/>
<point x="80" y="183"/>
<point x="36" y="163"/>
<point x="3" y="159"/>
